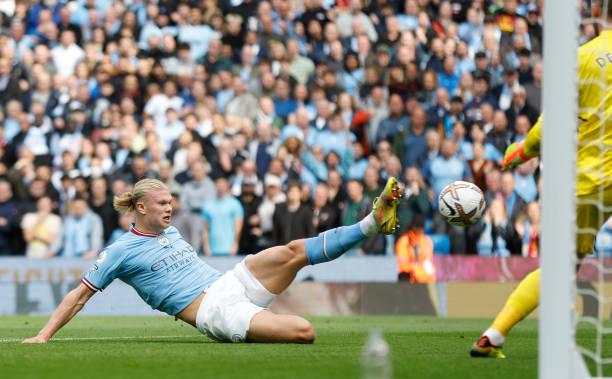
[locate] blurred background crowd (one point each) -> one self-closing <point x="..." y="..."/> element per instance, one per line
<point x="268" y="120"/>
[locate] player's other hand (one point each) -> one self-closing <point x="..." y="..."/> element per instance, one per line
<point x="514" y="156"/>
<point x="37" y="339"/>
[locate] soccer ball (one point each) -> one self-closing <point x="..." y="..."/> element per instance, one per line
<point x="461" y="203"/>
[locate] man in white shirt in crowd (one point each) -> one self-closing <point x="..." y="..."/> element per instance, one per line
<point x="273" y="196"/>
<point x="67" y="54"/>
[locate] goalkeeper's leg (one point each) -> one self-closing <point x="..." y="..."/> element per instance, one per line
<point x="525" y="298"/>
<point x="522" y="301"/>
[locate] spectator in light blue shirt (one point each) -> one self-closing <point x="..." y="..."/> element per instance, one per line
<point x="359" y="163"/>
<point x="169" y="129"/>
<point x="11" y="126"/>
<point x="336" y="138"/>
<point x="471" y="29"/>
<point x="521" y="128"/>
<point x="465" y="63"/>
<point x="514" y="203"/>
<point x="414" y="139"/>
<point x="82" y="231"/>
<point x="284" y="105"/>
<point x="197" y="36"/>
<point x="525" y="184"/>
<point x="223" y="219"/>
<point x="391" y="126"/>
<point x="353" y="74"/>
<point x="226" y="93"/>
<point x="149" y="29"/>
<point x="446" y="167"/>
<point x="491" y="153"/>
<point x="448" y="78"/>
<point x="408" y="19"/>
<point x="20" y="41"/>
<point x="80" y="14"/>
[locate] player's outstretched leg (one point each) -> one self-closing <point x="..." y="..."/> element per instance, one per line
<point x="330" y="244"/>
<point x="275" y="268"/>
<point x="523" y="300"/>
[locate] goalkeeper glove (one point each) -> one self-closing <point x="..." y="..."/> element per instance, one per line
<point x="514" y="156"/>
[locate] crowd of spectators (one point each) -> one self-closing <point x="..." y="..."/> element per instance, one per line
<point x="268" y="120"/>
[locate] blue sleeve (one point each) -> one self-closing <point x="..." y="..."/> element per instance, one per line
<point x="466" y="150"/>
<point x="319" y="169"/>
<point x="205" y="214"/>
<point x="347" y="160"/>
<point x="105" y="270"/>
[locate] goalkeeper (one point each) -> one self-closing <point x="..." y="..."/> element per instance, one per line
<point x="594" y="133"/>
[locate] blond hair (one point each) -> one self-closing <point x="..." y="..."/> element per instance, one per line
<point x="126" y="202"/>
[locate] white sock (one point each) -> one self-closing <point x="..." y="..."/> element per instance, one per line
<point x="368" y="225"/>
<point x="495" y="336"/>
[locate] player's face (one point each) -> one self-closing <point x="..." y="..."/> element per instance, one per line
<point x="158" y="208"/>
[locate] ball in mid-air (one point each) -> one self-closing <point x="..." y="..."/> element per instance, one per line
<point x="461" y="203"/>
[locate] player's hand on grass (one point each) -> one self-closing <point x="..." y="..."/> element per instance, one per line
<point x="37" y="339"/>
<point x="514" y="156"/>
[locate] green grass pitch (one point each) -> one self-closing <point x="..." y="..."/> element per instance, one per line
<point x="159" y="347"/>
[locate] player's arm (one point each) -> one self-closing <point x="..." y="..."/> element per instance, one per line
<point x="520" y="152"/>
<point x="70" y="306"/>
<point x="205" y="241"/>
<point x="238" y="216"/>
<point x="238" y="223"/>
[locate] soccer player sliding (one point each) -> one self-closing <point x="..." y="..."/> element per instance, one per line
<point x="169" y="276"/>
<point x="595" y="66"/>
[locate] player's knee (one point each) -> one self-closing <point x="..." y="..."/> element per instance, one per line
<point x="305" y="332"/>
<point x="295" y="250"/>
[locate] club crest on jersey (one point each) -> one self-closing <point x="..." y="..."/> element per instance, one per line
<point x="163" y="241"/>
<point x="101" y="257"/>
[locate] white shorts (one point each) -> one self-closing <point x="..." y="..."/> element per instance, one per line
<point x="229" y="304"/>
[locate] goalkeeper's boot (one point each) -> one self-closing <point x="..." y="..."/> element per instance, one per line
<point x="484" y="348"/>
<point x="384" y="207"/>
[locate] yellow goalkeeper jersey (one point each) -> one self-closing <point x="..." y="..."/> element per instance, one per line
<point x="594" y="155"/>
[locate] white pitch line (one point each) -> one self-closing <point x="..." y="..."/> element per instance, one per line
<point x="7" y="340"/>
